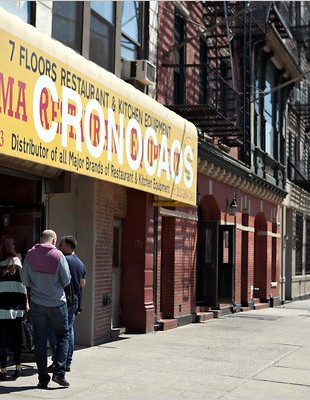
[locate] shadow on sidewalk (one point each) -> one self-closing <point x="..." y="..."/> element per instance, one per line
<point x="28" y="370"/>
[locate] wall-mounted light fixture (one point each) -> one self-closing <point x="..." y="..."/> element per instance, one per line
<point x="233" y="206"/>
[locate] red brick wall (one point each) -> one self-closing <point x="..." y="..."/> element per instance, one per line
<point x="110" y="203"/>
<point x="103" y="258"/>
<point x="177" y="290"/>
<point x="165" y="52"/>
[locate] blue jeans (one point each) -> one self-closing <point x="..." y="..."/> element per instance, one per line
<point x="52" y="338"/>
<point x="71" y="318"/>
<point x="56" y="317"/>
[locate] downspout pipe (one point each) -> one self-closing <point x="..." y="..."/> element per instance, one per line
<point x="155" y="268"/>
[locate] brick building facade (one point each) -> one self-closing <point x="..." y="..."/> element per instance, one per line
<point x="160" y="254"/>
<point x="201" y="58"/>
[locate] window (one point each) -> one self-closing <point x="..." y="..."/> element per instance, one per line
<point x="203" y="78"/>
<point x="67" y="23"/>
<point x="269" y="104"/>
<point x="20" y="8"/>
<point x="258" y="102"/>
<point x="102" y="33"/>
<point x="268" y="113"/>
<point x="299" y="242"/>
<point x="131" y="31"/>
<point x="179" y="59"/>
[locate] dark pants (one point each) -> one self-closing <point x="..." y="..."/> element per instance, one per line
<point x="52" y="338"/>
<point x="56" y="317"/>
<point x="10" y="335"/>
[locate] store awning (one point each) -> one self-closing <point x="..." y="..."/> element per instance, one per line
<point x="62" y="111"/>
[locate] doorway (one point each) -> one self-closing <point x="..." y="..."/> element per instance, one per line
<point x="226" y="264"/>
<point x="215" y="264"/>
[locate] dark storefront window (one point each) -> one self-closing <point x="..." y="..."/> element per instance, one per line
<point x="67" y="23"/>
<point x="299" y="241"/>
<point x="102" y="34"/>
<point x="308" y="246"/>
<point x="131" y="31"/>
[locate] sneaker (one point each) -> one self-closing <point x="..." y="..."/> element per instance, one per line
<point x="61" y="381"/>
<point x="51" y="367"/>
<point x="41" y="385"/>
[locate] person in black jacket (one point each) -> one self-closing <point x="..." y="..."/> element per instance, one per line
<point x="13" y="304"/>
<point x="73" y="291"/>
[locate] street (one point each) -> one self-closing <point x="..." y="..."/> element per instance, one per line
<point x="262" y="354"/>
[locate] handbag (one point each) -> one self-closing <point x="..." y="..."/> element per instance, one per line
<point x="27" y="332"/>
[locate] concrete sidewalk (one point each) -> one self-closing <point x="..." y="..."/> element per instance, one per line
<point x="263" y="354"/>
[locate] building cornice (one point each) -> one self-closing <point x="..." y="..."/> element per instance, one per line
<point x="218" y="165"/>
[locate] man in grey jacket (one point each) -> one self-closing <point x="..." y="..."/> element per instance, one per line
<point x="46" y="273"/>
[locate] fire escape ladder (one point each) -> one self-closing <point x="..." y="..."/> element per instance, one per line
<point x="222" y="115"/>
<point x="216" y="114"/>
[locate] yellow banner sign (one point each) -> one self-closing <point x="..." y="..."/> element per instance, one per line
<point x="68" y="113"/>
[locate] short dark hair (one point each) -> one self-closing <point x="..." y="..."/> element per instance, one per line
<point x="70" y="241"/>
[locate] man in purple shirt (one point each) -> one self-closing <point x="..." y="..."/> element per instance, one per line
<point x="46" y="273"/>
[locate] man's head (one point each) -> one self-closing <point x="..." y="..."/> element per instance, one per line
<point x="68" y="244"/>
<point x="48" y="236"/>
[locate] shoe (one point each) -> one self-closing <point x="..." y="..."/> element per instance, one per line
<point x="2" y="376"/>
<point x="68" y="369"/>
<point x="60" y="381"/>
<point x="18" y="373"/>
<point x="50" y="368"/>
<point x="41" y="385"/>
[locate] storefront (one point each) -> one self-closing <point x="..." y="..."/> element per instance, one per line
<point x="84" y="153"/>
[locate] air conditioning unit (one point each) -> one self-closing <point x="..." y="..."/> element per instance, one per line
<point x="140" y="70"/>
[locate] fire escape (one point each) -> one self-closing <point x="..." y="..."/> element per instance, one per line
<point x="228" y="33"/>
<point x="299" y="165"/>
